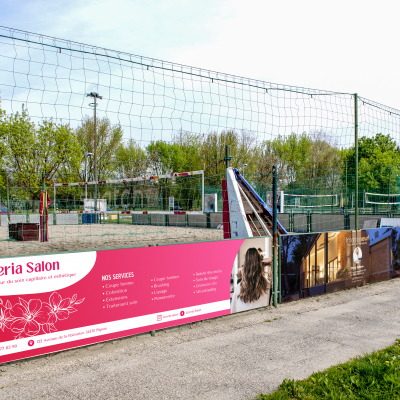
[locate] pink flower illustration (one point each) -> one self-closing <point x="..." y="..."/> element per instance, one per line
<point x="28" y="317"/>
<point x="5" y="315"/>
<point x="58" y="308"/>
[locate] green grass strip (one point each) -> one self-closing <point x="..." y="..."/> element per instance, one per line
<point x="373" y="376"/>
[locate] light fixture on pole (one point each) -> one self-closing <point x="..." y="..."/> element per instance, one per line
<point x="244" y="165"/>
<point x="86" y="163"/>
<point x="95" y="96"/>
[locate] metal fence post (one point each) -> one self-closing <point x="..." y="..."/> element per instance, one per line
<point x="44" y="238"/>
<point x="208" y="220"/>
<point x="356" y="158"/>
<point x="390" y="170"/>
<point x="227" y="155"/>
<point x="279" y="272"/>
<point x="291" y="225"/>
<point x="274" y="240"/>
<point x="8" y="206"/>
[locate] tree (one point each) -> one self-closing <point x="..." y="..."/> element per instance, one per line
<point x="108" y="140"/>
<point x="131" y="161"/>
<point x="242" y="147"/>
<point x="289" y="154"/>
<point x="50" y="150"/>
<point x="303" y="161"/>
<point x="378" y="161"/>
<point x="165" y="157"/>
<point x="186" y="189"/>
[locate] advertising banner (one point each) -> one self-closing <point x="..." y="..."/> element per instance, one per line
<point x="58" y="301"/>
<point x="313" y="264"/>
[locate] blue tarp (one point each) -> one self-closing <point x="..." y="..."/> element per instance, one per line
<point x="241" y="179"/>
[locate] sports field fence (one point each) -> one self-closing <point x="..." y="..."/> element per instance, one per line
<point x="336" y="153"/>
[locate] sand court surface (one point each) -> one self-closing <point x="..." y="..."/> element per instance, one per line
<point x="102" y="236"/>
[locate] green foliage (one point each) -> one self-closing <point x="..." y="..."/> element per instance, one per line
<point x="166" y="157"/>
<point x="131" y="160"/>
<point x="49" y="149"/>
<point x="378" y="157"/>
<point x="243" y="148"/>
<point x="374" y="376"/>
<point x="108" y="140"/>
<point x="309" y="160"/>
<point x="308" y="163"/>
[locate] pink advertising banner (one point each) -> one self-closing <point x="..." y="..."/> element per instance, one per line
<point x="55" y="302"/>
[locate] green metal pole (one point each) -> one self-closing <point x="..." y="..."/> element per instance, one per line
<point x="44" y="210"/>
<point x="390" y="170"/>
<point x="356" y="158"/>
<point x="8" y="206"/>
<point x="279" y="272"/>
<point x="274" y="240"/>
<point x="227" y="155"/>
<point x="347" y="191"/>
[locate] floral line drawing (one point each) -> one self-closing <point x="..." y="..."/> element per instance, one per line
<point x="29" y="318"/>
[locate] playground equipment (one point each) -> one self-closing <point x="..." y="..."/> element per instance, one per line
<point x="245" y="213"/>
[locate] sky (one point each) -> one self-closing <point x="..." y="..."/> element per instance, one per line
<point x="345" y="46"/>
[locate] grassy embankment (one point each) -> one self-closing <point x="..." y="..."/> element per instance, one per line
<point x="373" y="376"/>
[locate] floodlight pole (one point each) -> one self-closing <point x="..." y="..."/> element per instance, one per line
<point x="356" y="158"/>
<point x="86" y="163"/>
<point x="95" y="96"/>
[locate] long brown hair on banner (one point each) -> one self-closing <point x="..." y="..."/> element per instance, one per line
<point x="253" y="283"/>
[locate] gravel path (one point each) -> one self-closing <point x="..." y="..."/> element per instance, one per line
<point x="101" y="236"/>
<point x="231" y="357"/>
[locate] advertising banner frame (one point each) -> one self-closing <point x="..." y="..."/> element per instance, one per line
<point x="325" y="262"/>
<point x="52" y="302"/>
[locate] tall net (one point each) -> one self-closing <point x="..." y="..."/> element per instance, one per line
<point x="156" y="117"/>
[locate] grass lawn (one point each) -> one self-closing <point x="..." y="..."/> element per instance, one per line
<point x="374" y="376"/>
